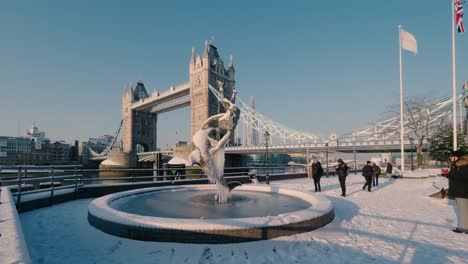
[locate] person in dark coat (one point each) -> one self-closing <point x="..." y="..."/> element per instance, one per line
<point x="342" y="171"/>
<point x="376" y="173"/>
<point x="367" y="172"/>
<point x="458" y="188"/>
<point x="317" y="172"/>
<point x="389" y="169"/>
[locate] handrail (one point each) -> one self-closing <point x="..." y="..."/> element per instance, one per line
<point x="47" y="167"/>
<point x="79" y="178"/>
<point x="38" y="179"/>
<point x="46" y="190"/>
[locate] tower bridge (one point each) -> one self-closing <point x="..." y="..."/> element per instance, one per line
<point x="207" y="78"/>
<point x="140" y="109"/>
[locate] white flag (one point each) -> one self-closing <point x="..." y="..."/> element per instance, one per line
<point x="408" y="41"/>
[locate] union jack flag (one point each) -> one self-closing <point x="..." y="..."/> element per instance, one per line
<point x="459" y="16"/>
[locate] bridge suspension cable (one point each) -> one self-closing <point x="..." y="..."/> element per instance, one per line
<point x="109" y="146"/>
<point x="255" y="120"/>
<point x="390" y="128"/>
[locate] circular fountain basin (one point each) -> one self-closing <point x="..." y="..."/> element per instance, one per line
<point x="190" y="214"/>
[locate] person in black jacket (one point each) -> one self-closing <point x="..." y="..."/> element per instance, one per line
<point x="367" y="172"/>
<point x="376" y="174"/>
<point x="342" y="171"/>
<point x="317" y="172"/>
<point x="458" y="188"/>
<point x="389" y="169"/>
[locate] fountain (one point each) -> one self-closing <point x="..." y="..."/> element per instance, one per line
<point x="210" y="213"/>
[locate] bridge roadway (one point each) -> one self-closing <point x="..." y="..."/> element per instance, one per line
<point x="362" y="147"/>
<point x="344" y="147"/>
<point x="174" y="98"/>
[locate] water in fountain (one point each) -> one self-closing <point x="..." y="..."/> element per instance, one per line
<point x="194" y="204"/>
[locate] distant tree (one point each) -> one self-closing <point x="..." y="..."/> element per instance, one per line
<point x="418" y="123"/>
<point x="442" y="142"/>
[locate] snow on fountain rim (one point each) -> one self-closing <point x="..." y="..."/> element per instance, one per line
<point x="100" y="208"/>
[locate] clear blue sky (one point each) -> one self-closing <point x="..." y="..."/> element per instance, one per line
<point x="317" y="66"/>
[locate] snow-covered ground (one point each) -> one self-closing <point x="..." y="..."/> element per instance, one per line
<point x="420" y="173"/>
<point x="395" y="223"/>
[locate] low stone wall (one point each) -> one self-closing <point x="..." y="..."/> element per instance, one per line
<point x="210" y="236"/>
<point x="13" y="247"/>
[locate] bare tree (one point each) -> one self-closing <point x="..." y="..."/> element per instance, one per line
<point x="418" y="122"/>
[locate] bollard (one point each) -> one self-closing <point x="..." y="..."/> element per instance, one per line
<point x="155" y="171"/>
<point x="76" y="183"/>
<point x="309" y="171"/>
<point x="18" y="200"/>
<point x="52" y="186"/>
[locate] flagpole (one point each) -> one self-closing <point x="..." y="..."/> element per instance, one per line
<point x="461" y="116"/>
<point x="454" y="87"/>
<point x="402" y="146"/>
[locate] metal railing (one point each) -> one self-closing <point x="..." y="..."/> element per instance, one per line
<point x="26" y="180"/>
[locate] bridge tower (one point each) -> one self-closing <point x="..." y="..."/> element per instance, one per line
<point x="139" y="127"/>
<point x="206" y="70"/>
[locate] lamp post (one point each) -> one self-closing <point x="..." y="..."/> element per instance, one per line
<point x="411" y="143"/>
<point x="267" y="139"/>
<point x="326" y="156"/>
<point x="355" y="165"/>
<point x="428" y="148"/>
<point x="307" y="152"/>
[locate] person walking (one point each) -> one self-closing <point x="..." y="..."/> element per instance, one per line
<point x="376" y="173"/>
<point x="458" y="188"/>
<point x="317" y="172"/>
<point x="342" y="171"/>
<point x="389" y="169"/>
<point x="367" y="172"/>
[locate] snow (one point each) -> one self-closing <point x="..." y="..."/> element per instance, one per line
<point x="13" y="248"/>
<point x="101" y="209"/>
<point x="421" y="173"/>
<point x="395" y="223"/>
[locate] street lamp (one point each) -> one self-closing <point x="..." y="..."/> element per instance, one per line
<point x="355" y="165"/>
<point x="428" y="147"/>
<point x="267" y="139"/>
<point x="326" y="156"/>
<point x="308" y="152"/>
<point x="411" y="140"/>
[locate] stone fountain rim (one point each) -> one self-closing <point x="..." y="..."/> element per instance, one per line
<point x="99" y="208"/>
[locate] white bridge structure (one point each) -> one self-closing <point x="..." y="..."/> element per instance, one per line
<point x="378" y="137"/>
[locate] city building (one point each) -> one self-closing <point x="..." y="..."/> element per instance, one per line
<point x="14" y="150"/>
<point x="38" y="137"/>
<point x="33" y="149"/>
<point x="60" y="152"/>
